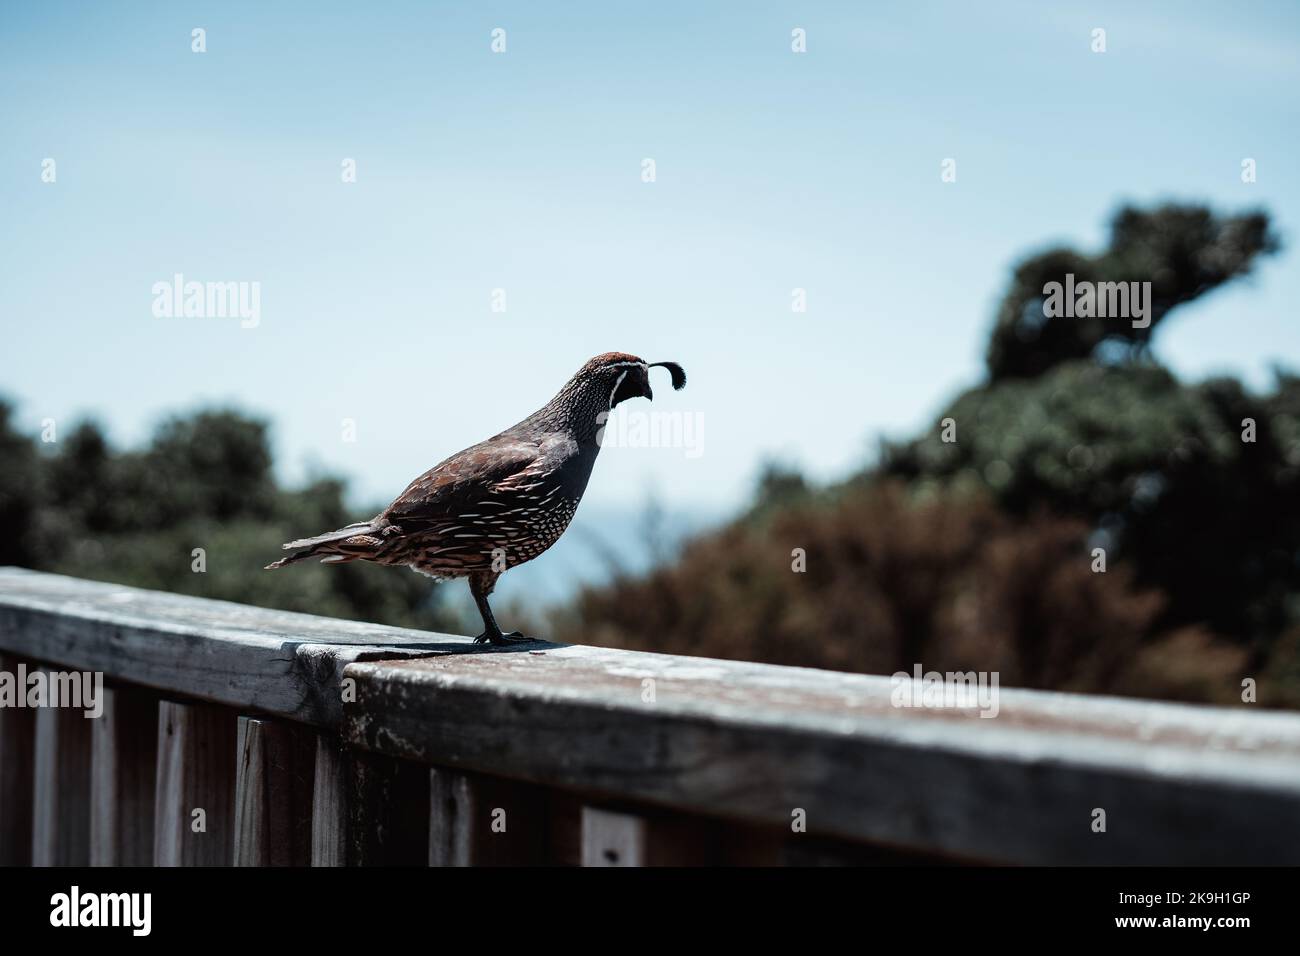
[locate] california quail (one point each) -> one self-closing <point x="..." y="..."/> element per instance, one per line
<point x="501" y="502"/>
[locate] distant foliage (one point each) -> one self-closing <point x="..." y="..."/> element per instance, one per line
<point x="1159" y="470"/>
<point x="1183" y="251"/>
<point x="20" y="494"/>
<point x="976" y="553"/>
<point x="895" y="577"/>
<point x="78" y="507"/>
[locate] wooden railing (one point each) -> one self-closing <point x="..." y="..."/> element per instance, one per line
<point x="233" y="734"/>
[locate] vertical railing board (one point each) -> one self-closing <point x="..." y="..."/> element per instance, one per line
<point x="123" y="767"/>
<point x="388" y="812"/>
<point x="273" y="793"/>
<point x="196" y="770"/>
<point x="17" y="777"/>
<point x="612" y="837"/>
<point x="452" y="812"/>
<point x="329" y="805"/>
<point x="477" y="820"/>
<point x="564" y="828"/>
<point x="61" y="788"/>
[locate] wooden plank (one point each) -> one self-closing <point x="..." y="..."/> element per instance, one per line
<point x="564" y="828"/>
<point x="453" y="812"/>
<point x="1179" y="784"/>
<point x="329" y="816"/>
<point x="388" y="812"/>
<point x="834" y="751"/>
<point x="273" y="793"/>
<point x="124" y="753"/>
<point x="195" y="785"/>
<point x="61" y="791"/>
<point x="274" y="662"/>
<point x="17" y="778"/>
<point x="613" y="839"/>
<point x="485" y="821"/>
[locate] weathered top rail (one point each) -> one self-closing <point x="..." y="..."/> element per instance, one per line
<point x="745" y="742"/>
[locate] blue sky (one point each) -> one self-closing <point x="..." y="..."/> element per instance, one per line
<point x="521" y="171"/>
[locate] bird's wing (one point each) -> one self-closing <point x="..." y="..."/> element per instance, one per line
<point x="462" y="484"/>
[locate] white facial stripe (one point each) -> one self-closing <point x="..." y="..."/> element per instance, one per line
<point x="617" y="384"/>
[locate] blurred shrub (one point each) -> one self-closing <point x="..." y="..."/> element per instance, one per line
<point x="204" y="481"/>
<point x="895" y="577"/>
<point x="1157" y="467"/>
<point x="20" y="484"/>
<point x="976" y="553"/>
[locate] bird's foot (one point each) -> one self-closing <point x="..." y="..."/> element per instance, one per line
<point x="498" y="639"/>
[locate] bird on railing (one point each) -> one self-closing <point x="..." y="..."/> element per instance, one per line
<point x="501" y="502"/>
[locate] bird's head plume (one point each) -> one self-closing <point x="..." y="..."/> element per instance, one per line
<point x="621" y="376"/>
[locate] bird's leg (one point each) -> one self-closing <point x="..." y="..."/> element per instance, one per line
<point x="481" y="585"/>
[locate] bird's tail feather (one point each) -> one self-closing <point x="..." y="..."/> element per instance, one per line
<point x="326" y="546"/>
<point x="347" y="531"/>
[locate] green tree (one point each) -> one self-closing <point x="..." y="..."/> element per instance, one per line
<point x="1184" y="251"/>
<point x="1158" y="468"/>
<point x="201" y="495"/>
<point x="978" y="552"/>
<point x="19" y="493"/>
<point x="1159" y="471"/>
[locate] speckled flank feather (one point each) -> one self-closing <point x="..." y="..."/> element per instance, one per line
<point x="501" y="502"/>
